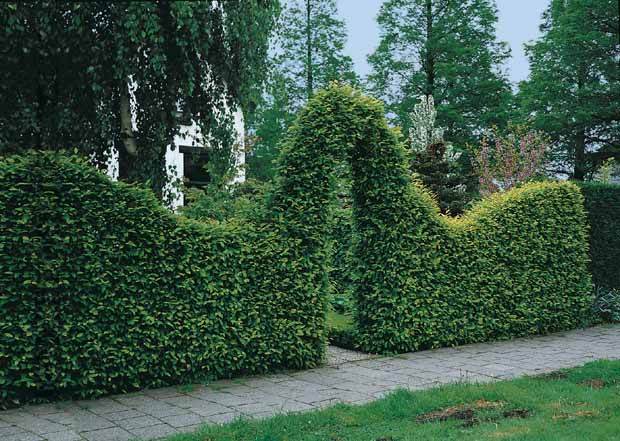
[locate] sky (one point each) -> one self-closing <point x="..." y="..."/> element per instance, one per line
<point x="518" y="24"/>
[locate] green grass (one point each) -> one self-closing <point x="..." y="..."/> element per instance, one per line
<point x="339" y="321"/>
<point x="577" y="404"/>
<point x="340" y="330"/>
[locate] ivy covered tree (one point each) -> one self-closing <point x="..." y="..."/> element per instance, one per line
<point x="573" y="92"/>
<point x="448" y="50"/>
<point x="99" y="75"/>
<point x="307" y="54"/>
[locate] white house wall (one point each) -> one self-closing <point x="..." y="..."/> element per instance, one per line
<point x="189" y="136"/>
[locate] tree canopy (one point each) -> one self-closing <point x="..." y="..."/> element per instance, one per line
<point x="96" y="75"/>
<point x="446" y="49"/>
<point x="573" y="93"/>
<point x="307" y="54"/>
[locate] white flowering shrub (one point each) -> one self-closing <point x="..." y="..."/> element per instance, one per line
<point x="423" y="132"/>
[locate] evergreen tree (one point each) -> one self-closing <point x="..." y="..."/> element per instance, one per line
<point x="270" y="121"/>
<point x="308" y="53"/>
<point x="445" y="49"/>
<point x="69" y="70"/>
<point x="573" y="92"/>
<point x="436" y="163"/>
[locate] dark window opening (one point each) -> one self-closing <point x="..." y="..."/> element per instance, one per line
<point x="195" y="159"/>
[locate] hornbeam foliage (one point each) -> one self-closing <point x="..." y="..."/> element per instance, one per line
<point x="514" y="265"/>
<point x="103" y="290"/>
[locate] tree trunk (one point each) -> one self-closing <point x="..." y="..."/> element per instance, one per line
<point x="580" y="156"/>
<point x="429" y="56"/>
<point x="127" y="155"/>
<point x="309" y="79"/>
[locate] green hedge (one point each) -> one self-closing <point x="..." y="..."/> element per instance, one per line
<point x="603" y="207"/>
<point x="515" y="265"/>
<point x="103" y="290"/>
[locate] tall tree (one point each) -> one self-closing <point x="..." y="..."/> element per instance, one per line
<point x="95" y="75"/>
<point x="307" y="54"/>
<point x="573" y="92"/>
<point x="273" y="116"/>
<point x="446" y="49"/>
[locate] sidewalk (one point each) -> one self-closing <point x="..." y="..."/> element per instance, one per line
<point x="350" y="377"/>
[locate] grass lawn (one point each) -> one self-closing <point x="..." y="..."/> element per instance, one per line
<point x="340" y="330"/>
<point x="578" y="404"/>
<point x="339" y="321"/>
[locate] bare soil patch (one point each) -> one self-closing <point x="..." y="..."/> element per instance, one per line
<point x="473" y="413"/>
<point x="595" y="383"/>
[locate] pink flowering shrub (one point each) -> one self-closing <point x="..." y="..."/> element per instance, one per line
<point x="510" y="159"/>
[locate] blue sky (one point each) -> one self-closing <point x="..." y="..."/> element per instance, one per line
<point x="518" y="24"/>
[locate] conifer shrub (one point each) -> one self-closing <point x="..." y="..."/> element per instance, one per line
<point x="603" y="209"/>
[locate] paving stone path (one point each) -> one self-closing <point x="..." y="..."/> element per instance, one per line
<point x="349" y="377"/>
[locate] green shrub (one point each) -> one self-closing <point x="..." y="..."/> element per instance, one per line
<point x="450" y="182"/>
<point x="103" y="290"/>
<point x="603" y="207"/>
<point x="515" y="265"/>
<point x="237" y="201"/>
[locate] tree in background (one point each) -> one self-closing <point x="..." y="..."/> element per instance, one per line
<point x="573" y="92"/>
<point x="268" y="125"/>
<point x="448" y="50"/>
<point x="608" y="171"/>
<point x="511" y="159"/>
<point x="436" y="163"/>
<point x="75" y="74"/>
<point x="308" y="53"/>
<point x="423" y="130"/>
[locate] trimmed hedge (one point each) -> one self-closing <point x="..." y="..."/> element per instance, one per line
<point x="603" y="207"/>
<point x="340" y="264"/>
<point x="515" y="265"/>
<point x="103" y="290"/>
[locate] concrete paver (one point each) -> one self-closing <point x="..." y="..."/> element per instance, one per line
<point x="348" y="377"/>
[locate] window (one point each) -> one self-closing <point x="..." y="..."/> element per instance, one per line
<point x="195" y="160"/>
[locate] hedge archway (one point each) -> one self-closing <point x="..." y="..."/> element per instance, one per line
<point x="515" y="265"/>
